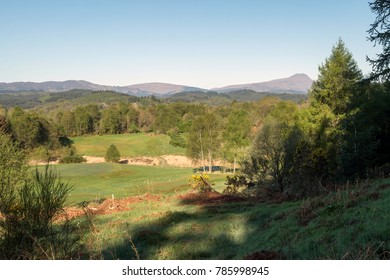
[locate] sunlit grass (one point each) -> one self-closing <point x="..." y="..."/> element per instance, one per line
<point x="129" y="145"/>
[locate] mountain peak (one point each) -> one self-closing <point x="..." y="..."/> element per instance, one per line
<point x="297" y="83"/>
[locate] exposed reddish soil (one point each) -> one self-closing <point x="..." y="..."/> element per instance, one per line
<point x="109" y="206"/>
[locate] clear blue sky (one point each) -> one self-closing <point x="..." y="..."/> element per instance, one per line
<point x="205" y="43"/>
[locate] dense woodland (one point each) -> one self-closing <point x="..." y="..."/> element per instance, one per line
<point x="301" y="148"/>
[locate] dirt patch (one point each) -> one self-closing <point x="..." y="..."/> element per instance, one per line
<point x="167" y="160"/>
<point x="179" y="161"/>
<point x="265" y="255"/>
<point x="148" y="161"/>
<point x="208" y="198"/>
<point x="90" y="159"/>
<point x="109" y="206"/>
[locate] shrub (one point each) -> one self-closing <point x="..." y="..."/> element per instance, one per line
<point x="200" y="182"/>
<point x="237" y="184"/>
<point x="28" y="224"/>
<point x="177" y="139"/>
<point x="112" y="154"/>
<point x="73" y="159"/>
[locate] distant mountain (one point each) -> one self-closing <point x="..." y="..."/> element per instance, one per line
<point x="156" y="89"/>
<point x="298" y="83"/>
<point x="136" y="90"/>
<point x="51" y="86"/>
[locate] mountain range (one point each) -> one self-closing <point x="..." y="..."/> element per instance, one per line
<point x="298" y="83"/>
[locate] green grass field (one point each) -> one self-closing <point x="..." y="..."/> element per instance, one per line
<point x="129" y="145"/>
<point x="102" y="180"/>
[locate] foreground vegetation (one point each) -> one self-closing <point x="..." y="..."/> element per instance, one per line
<point x="350" y="224"/>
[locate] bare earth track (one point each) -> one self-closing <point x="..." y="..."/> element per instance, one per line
<point x="166" y="160"/>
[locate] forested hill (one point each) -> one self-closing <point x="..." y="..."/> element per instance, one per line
<point x="71" y="98"/>
<point x="76" y="97"/>
<point x="215" y="98"/>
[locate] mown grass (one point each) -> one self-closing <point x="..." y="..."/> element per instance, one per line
<point x="102" y="180"/>
<point x="350" y="224"/>
<point x="129" y="145"/>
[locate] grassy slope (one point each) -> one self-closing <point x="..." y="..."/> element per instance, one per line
<point x="348" y="225"/>
<point x="129" y="145"/>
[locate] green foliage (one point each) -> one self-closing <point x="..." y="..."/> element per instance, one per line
<point x="72" y="159"/>
<point x="28" y="208"/>
<point x="111" y="121"/>
<point x="112" y="154"/>
<point x="13" y="171"/>
<point x="237" y="184"/>
<point x="28" y="225"/>
<point x="204" y="138"/>
<point x="200" y="182"/>
<point x="82" y="121"/>
<point x="236" y="135"/>
<point x="222" y="99"/>
<point x="31" y="130"/>
<point x="336" y="79"/>
<point x="5" y="127"/>
<point x="273" y="149"/>
<point x="177" y="139"/>
<point x="379" y="33"/>
<point x="365" y="141"/>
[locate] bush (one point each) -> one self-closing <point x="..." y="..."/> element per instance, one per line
<point x="112" y="154"/>
<point x="200" y="182"/>
<point x="237" y="184"/>
<point x="73" y="159"/>
<point x="177" y="139"/>
<point x="30" y="225"/>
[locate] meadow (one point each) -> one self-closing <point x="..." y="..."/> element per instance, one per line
<point x="92" y="182"/>
<point x="129" y="145"/>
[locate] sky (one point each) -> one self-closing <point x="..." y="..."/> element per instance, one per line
<point x="203" y="43"/>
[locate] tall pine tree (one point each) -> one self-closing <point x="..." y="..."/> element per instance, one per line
<point x="336" y="80"/>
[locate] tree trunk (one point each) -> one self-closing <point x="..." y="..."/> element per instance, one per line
<point x="210" y="162"/>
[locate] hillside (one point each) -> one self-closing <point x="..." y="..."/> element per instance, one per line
<point x="216" y="99"/>
<point x="65" y="99"/>
<point x="350" y="224"/>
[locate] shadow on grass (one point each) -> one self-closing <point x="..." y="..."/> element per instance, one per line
<point x="222" y="227"/>
<point x="351" y="224"/>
